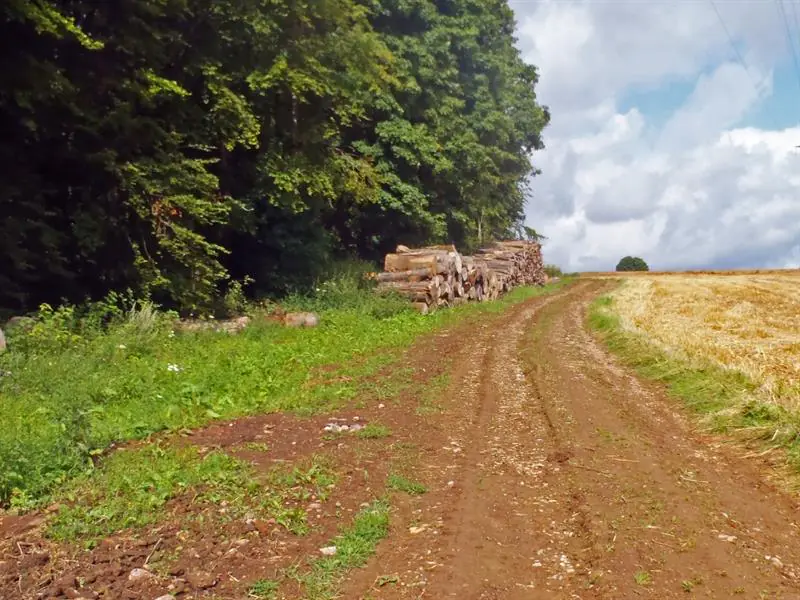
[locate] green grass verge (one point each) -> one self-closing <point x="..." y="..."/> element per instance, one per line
<point x="132" y="488"/>
<point x="354" y="546"/>
<point x="69" y="388"/>
<point x="727" y="400"/>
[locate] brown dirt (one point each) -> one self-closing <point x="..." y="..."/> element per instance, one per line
<point x="552" y="473"/>
<point x="572" y="479"/>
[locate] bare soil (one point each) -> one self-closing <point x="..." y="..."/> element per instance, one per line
<point x="563" y="476"/>
<point x="552" y="472"/>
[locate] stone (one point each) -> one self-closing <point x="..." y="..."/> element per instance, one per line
<point x="201" y="580"/>
<point x="139" y="574"/>
<point x="166" y="597"/>
<point x="328" y="550"/>
<point x="301" y="319"/>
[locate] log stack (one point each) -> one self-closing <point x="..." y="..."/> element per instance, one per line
<point x="438" y="276"/>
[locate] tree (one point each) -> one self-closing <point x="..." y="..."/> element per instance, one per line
<point x="172" y="146"/>
<point x="632" y="263"/>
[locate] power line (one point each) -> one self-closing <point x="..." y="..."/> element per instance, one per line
<point x="730" y="38"/>
<point x="782" y="12"/>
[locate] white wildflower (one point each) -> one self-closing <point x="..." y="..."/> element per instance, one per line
<point x="122" y="346"/>
<point x="174" y="368"/>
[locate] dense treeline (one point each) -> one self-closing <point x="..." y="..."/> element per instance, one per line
<point x="174" y="146"/>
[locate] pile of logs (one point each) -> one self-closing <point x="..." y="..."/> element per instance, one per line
<point x="438" y="276"/>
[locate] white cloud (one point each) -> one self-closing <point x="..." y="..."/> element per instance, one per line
<point x="695" y="190"/>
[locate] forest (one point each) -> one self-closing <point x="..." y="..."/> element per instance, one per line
<point x="179" y="148"/>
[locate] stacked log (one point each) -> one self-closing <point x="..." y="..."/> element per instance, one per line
<point x="439" y="276"/>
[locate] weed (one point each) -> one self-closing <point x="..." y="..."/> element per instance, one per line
<point x="403" y="484"/>
<point x="132" y="489"/>
<point x="374" y="431"/>
<point x="689" y="584"/>
<point x="256" y="446"/>
<point x="642" y="578"/>
<point x="264" y="589"/>
<point x="384" y="580"/>
<point x="353" y="547"/>
<point x="430" y="398"/>
<point x="84" y="379"/>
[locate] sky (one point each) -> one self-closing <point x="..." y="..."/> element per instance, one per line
<point x="673" y="131"/>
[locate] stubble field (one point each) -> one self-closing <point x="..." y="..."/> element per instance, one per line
<point x="745" y="322"/>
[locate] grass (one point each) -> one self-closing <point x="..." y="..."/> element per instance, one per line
<point x="642" y="578"/>
<point x="374" y="431"/>
<point x="354" y="546"/>
<point x="264" y="589"/>
<point x="749" y="324"/>
<point x="132" y="489"/>
<point x="403" y="484"/>
<point x="728" y="400"/>
<point x="72" y="386"/>
<point x="430" y="398"/>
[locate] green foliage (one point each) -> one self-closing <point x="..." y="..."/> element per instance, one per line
<point x="374" y="431"/>
<point x="632" y="263"/>
<point x="132" y="487"/>
<point x="81" y="379"/>
<point x="176" y="148"/>
<point x="403" y="484"/>
<point x="264" y="589"/>
<point x="553" y="271"/>
<point x="354" y="546"/>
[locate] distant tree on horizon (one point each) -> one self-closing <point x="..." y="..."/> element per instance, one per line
<point x="632" y="263"/>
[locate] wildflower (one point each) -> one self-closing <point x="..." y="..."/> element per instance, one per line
<point x="174" y="368"/>
<point x="171" y="334"/>
<point x="122" y="346"/>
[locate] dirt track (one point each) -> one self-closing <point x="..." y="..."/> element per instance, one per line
<point x="551" y="473"/>
<point x="556" y="474"/>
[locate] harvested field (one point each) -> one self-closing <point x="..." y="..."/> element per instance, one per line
<point x="750" y="323"/>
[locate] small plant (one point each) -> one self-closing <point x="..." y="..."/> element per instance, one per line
<point x="353" y="547"/>
<point x="256" y="446"/>
<point x="403" y="484"/>
<point x="642" y="578"/>
<point x="374" y="431"/>
<point x="689" y="584"/>
<point x="264" y="589"/>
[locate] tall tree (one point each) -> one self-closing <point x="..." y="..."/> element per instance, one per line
<point x="167" y="145"/>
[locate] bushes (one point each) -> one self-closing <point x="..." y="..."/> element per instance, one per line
<point x="632" y="263"/>
<point x="82" y="378"/>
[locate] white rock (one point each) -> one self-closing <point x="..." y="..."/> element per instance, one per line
<point x="138" y="574"/>
<point x="166" y="597"/>
<point x="328" y="550"/>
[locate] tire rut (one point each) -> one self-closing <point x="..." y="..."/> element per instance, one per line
<point x="557" y="474"/>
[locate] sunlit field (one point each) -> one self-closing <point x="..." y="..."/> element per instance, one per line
<point x="745" y="321"/>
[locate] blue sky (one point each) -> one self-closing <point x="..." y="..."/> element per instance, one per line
<point x="781" y="109"/>
<point x="662" y="143"/>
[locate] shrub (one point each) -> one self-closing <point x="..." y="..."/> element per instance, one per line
<point x="632" y="263"/>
